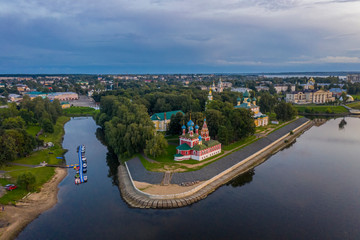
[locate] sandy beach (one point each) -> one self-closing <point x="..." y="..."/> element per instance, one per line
<point x="15" y="218"/>
<point x="156" y="189"/>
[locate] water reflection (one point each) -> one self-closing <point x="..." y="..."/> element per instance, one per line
<point x="111" y="158"/>
<point x="113" y="164"/>
<point x="242" y="179"/>
<point x="342" y="124"/>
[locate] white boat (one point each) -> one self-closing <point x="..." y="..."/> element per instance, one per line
<point x="85" y="178"/>
<point x="84" y="165"/>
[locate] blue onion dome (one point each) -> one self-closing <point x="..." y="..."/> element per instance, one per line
<point x="197" y="127"/>
<point x="249" y="100"/>
<point x="200" y="137"/>
<point x="191" y="128"/>
<point x="190" y="123"/>
<point x="183" y="127"/>
<point x="254" y="98"/>
<point x="238" y="99"/>
<point x="246" y="94"/>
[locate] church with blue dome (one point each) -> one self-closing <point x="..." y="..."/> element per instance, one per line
<point x="195" y="145"/>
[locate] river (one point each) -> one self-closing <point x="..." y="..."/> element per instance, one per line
<point x="310" y="190"/>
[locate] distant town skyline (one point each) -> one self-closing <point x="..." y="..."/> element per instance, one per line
<point x="173" y="36"/>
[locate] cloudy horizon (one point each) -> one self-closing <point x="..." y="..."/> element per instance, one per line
<point x="179" y="36"/>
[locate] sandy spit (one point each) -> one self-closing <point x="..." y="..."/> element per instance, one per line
<point x="15" y="218"/>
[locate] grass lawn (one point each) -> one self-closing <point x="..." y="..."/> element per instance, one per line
<point x="320" y="109"/>
<point x="246" y="141"/>
<point x="56" y="136"/>
<point x="33" y="129"/>
<point x="168" y="157"/>
<point x="80" y="111"/>
<point x="43" y="174"/>
<point x="355" y="105"/>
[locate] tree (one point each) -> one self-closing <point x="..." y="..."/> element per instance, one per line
<point x="47" y="126"/>
<point x="267" y="102"/>
<point x="156" y="146"/>
<point x="13" y="122"/>
<point x="223" y="135"/>
<point x="214" y="120"/>
<point x="285" y="111"/>
<point x="175" y="124"/>
<point x="27" y="180"/>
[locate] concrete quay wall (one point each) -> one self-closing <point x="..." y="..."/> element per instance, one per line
<point x="136" y="198"/>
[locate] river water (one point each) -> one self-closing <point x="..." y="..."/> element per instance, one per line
<point x="310" y="190"/>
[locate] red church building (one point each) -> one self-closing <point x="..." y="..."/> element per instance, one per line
<point x="196" y="146"/>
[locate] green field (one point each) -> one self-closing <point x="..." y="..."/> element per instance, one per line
<point x="329" y="109"/>
<point x="43" y="174"/>
<point x="80" y="111"/>
<point x="355" y="105"/>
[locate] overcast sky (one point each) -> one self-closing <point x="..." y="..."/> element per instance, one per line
<point x="178" y="36"/>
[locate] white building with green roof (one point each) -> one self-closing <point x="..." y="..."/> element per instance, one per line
<point x="162" y="120"/>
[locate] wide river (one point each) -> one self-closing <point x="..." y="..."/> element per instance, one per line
<point x="310" y="190"/>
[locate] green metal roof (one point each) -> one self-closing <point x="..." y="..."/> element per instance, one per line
<point x="200" y="147"/>
<point x="211" y="143"/>
<point x="160" y="116"/>
<point x="178" y="155"/>
<point x="183" y="147"/>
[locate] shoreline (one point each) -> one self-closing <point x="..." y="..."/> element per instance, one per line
<point x="16" y="218"/>
<point x="140" y="199"/>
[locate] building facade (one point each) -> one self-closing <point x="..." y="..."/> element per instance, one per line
<point x="196" y="146"/>
<point x="306" y="97"/>
<point x="260" y="119"/>
<point x="162" y="120"/>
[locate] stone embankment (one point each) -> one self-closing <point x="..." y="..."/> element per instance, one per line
<point x="136" y="198"/>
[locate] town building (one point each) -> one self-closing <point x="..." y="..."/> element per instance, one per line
<point x="260" y="119"/>
<point x="310" y="96"/>
<point x="284" y="88"/>
<point x="310" y="85"/>
<point x="240" y="89"/>
<point x="262" y="88"/>
<point x="353" y="78"/>
<point x="162" y="120"/>
<point x="196" y="146"/>
<point x="61" y="96"/>
<point x="65" y="105"/>
<point x="217" y="88"/>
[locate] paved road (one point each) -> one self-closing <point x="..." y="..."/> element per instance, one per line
<point x="139" y="173"/>
<point x="83" y="101"/>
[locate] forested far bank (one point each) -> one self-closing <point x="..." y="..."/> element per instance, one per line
<point x="17" y="122"/>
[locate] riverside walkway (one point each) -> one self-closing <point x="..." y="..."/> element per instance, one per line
<point x="139" y="173"/>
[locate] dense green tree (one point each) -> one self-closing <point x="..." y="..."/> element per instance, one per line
<point x="214" y="119"/>
<point x="267" y="102"/>
<point x="47" y="126"/>
<point x="13" y="122"/>
<point x="285" y="111"/>
<point x="27" y="180"/>
<point x="156" y="146"/>
<point x="27" y="115"/>
<point x="175" y="124"/>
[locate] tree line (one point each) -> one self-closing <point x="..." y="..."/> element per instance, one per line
<point x="15" y="141"/>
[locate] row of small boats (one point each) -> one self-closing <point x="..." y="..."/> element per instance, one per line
<point x="80" y="170"/>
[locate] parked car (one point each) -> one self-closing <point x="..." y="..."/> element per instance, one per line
<point x="10" y="187"/>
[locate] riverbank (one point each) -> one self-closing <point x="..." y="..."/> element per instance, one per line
<point x="142" y="199"/>
<point x="22" y="207"/>
<point x="15" y="218"/>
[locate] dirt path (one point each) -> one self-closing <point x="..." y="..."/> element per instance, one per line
<point x="15" y="218"/>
